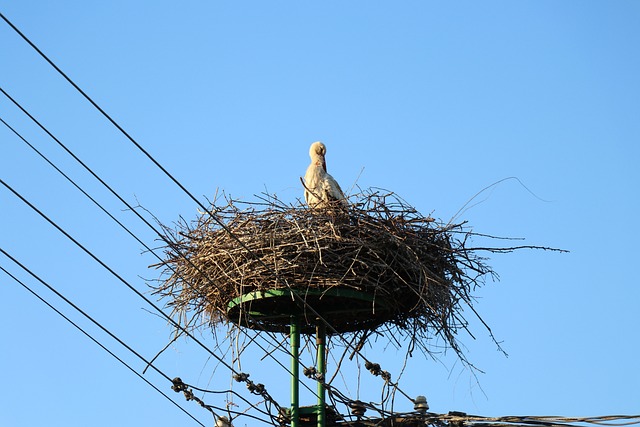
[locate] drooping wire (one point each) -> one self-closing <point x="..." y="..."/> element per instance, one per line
<point x="72" y="182"/>
<point x="115" y="337"/>
<point x="76" y="242"/>
<point x="78" y="309"/>
<point x="116" y="275"/>
<point x="126" y="365"/>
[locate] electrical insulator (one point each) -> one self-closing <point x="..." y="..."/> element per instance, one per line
<point x="357" y="408"/>
<point x="420" y="404"/>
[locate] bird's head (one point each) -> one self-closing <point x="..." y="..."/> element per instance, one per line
<point x="317" y="149"/>
<point x="317" y="152"/>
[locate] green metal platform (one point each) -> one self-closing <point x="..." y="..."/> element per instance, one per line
<point x="344" y="309"/>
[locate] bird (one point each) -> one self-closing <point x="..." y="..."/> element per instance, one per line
<point x="320" y="188"/>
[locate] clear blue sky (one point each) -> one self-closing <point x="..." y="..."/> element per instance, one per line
<point x="433" y="100"/>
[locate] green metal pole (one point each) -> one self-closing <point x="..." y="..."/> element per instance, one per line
<point x="321" y="338"/>
<point x="294" y="336"/>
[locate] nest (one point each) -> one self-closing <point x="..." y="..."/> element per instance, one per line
<point x="378" y="266"/>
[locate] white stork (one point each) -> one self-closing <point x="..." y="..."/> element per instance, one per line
<point x="320" y="187"/>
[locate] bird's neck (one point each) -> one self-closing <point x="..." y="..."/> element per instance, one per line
<point x="320" y="162"/>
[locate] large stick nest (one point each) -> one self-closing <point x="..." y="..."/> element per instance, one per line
<point x="417" y="274"/>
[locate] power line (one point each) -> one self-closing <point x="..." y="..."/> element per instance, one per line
<point x="79" y="161"/>
<point x="105" y="266"/>
<point x="184" y="387"/>
<point x="78" y="187"/>
<point x="107" y="116"/>
<point x="86" y="333"/>
<point x="95" y="322"/>
<point x="126" y="283"/>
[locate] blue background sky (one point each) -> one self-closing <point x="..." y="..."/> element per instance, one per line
<point x="433" y="100"/>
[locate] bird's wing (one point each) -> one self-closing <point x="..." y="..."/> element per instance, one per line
<point x="333" y="190"/>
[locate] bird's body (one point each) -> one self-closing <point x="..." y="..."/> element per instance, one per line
<point x="321" y="189"/>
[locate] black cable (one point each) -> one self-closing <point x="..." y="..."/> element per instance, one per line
<point x="131" y="208"/>
<point x="107" y="116"/>
<point x="104" y="329"/>
<point x="79" y="188"/>
<point x="121" y="279"/>
<point x="82" y="247"/>
<point x="110" y="270"/>
<point x="95" y="322"/>
<point x="85" y="332"/>
<point x="77" y="159"/>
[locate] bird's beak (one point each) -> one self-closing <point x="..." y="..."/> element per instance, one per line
<point x="324" y="164"/>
